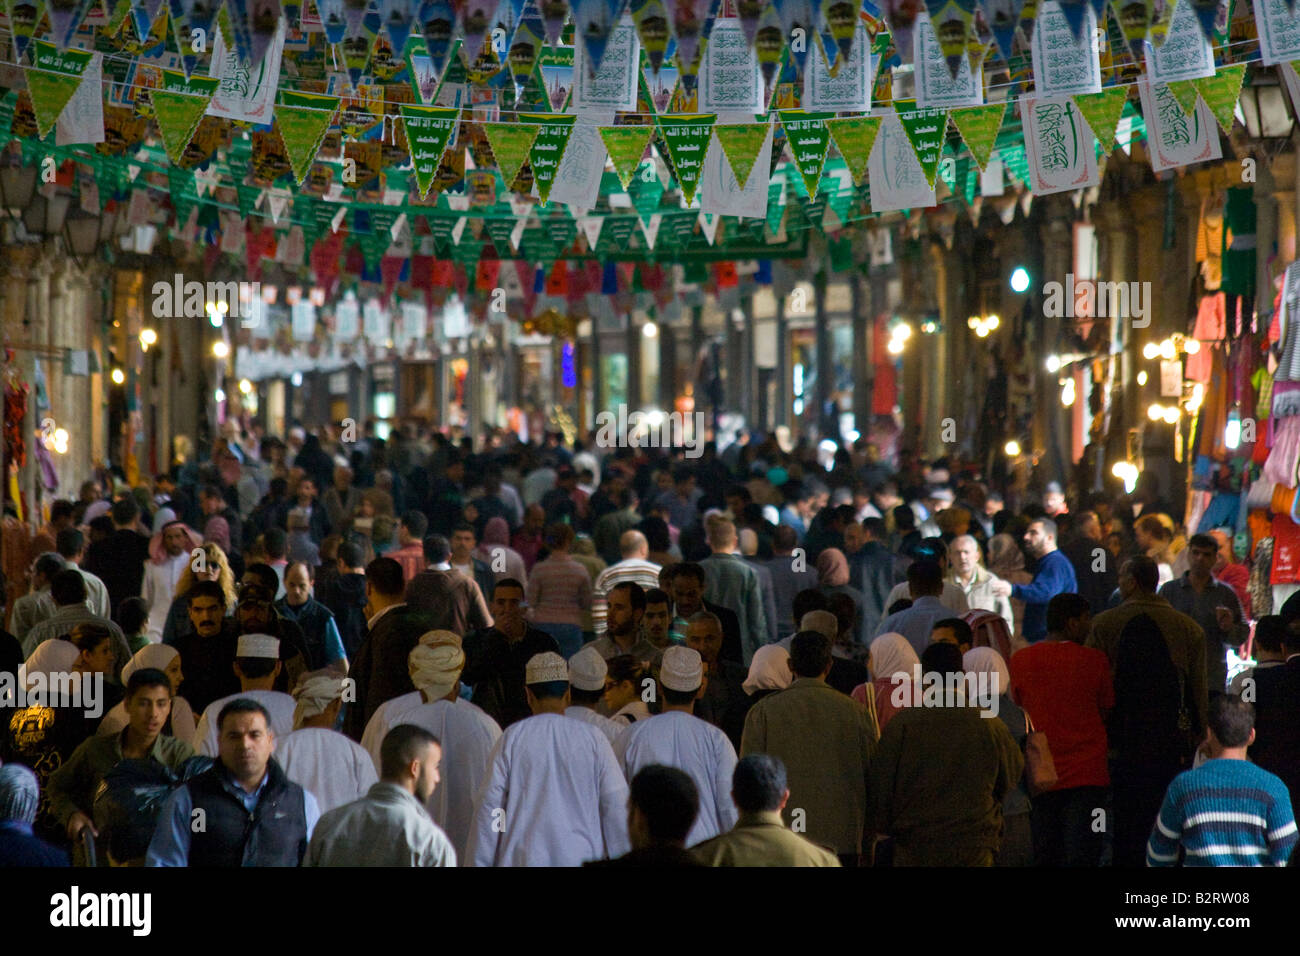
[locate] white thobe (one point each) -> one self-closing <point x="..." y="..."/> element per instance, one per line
<point x="698" y="749"/>
<point x="159" y="590"/>
<point x="468" y="736"/>
<point x="387" y="716"/>
<point x="553" y="796"/>
<point x="387" y="827"/>
<point x="328" y="764"/>
<point x="279" y="706"/>
<point x="606" y="726"/>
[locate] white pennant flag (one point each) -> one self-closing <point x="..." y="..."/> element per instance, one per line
<point x="591" y="226"/>
<point x="709" y="225"/>
<point x="651" y="228"/>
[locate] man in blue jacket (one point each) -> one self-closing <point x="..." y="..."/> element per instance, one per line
<point x="1055" y="575"/>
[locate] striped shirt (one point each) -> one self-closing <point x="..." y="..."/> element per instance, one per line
<point x="644" y="573"/>
<point x="1224" y="813"/>
<point x="559" y="590"/>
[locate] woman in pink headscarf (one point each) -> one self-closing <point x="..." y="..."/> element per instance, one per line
<point x="891" y="654"/>
<point x="495" y="551"/>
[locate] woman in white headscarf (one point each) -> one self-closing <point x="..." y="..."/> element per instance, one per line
<point x="769" y="671"/>
<point x="890" y="654"/>
<point x="54" y="656"/>
<point x="181" y="723"/>
<point x="993" y="681"/>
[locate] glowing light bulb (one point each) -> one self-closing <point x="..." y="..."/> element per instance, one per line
<point x="220" y="349"/>
<point x="1191" y="346"/>
<point x="118" y="376"/>
<point x="1168" y="352"/>
<point x="1067" y="393"/>
<point x="895" y="347"/>
<point x="1053" y="363"/>
<point x="1172" y="414"/>
<point x="1012" y="448"/>
<point x="650" y="330"/>
<point x="1232" y="431"/>
<point x="245" y="386"/>
<point x="1155" y="411"/>
<point x="1019" y="279"/>
<point x="992" y="322"/>
<point x="1151" y="351"/>
<point x="1142" y="378"/>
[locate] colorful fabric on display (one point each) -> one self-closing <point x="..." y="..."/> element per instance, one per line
<point x="1239" y="241"/>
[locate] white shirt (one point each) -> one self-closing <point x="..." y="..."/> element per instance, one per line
<point x="158" y="591"/>
<point x="953" y="597"/>
<point x="553" y="796"/>
<point x="328" y="764"/>
<point x="386" y="716"/>
<point x="279" y="706"/>
<point x="468" y="736"/>
<point x="632" y="713"/>
<point x="698" y="749"/>
<point x="606" y="726"/>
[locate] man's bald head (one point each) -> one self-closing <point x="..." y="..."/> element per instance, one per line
<point x="633" y="544"/>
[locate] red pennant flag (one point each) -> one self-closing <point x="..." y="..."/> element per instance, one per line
<point x="727" y="278"/>
<point x="421" y="272"/>
<point x="557" y="283"/>
<point x="486" y="279"/>
<point x="390" y="267"/>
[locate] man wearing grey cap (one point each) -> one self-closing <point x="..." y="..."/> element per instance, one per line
<point x="554" y="794"/>
<point x="587" y="673"/>
<point x="677" y="738"/>
<point x="257" y="665"/>
<point x="19" y="797"/>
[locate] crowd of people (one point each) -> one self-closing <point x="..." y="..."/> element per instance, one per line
<point x="413" y="651"/>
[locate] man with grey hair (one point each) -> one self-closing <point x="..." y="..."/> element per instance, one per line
<point x="729" y="580"/>
<point x="967" y="572"/>
<point x="634" y="567"/>
<point x="724" y="703"/>
<point x="20" y="795"/>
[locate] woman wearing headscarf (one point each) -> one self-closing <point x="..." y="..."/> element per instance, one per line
<point x="891" y="654"/>
<point x="217" y="531"/>
<point x="180" y="724"/>
<point x="769" y="672"/>
<point x="1007" y="562"/>
<point x="993" y="678"/>
<point x="495" y="551"/>
<point x="214" y="567"/>
<point x="833" y="578"/>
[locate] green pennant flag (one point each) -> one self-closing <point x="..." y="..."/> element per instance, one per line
<point x="510" y="144"/>
<point x="500" y="228"/>
<point x="304" y="119"/>
<point x="428" y="130"/>
<point x="1101" y="111"/>
<point x="1221" y="91"/>
<point x="1184" y="92"/>
<point x="741" y="144"/>
<point x="52" y="79"/>
<point x="687" y="138"/>
<point x="854" y="137"/>
<point x="979" y="127"/>
<point x="809" y="138"/>
<point x="179" y="105"/>
<point x="553" y="131"/>
<point x="925" y="130"/>
<point x="616" y="234"/>
<point x="626" y="145"/>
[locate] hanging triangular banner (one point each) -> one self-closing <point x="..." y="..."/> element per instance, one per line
<point x="178" y="107"/>
<point x="1185" y="92"/>
<point x="854" y="137"/>
<point x="303" y="120"/>
<point x="626" y="145"/>
<point x="1221" y="92"/>
<point x="650" y="17"/>
<point x="741" y="143"/>
<point x="979" y="127"/>
<point x="593" y="21"/>
<point x="925" y="130"/>
<point x="808" y="138"/>
<point x="709" y="225"/>
<point x="1102" y="111"/>
<point x="52" y="79"/>
<point x="952" y="21"/>
<point x="651" y="228"/>
<point x="687" y="138"/>
<point x="66" y="17"/>
<point x="255" y="24"/>
<point x="23" y="21"/>
<point x="553" y="131"/>
<point x="428" y="130"/>
<point x="510" y="144"/>
<point x="590" y="226"/>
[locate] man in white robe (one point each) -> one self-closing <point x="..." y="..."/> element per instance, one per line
<point x="168" y="559"/>
<point x="554" y="795"/>
<point x="257" y="663"/>
<point x="328" y="764"/>
<point x="465" y="733"/>
<point x="587" y="673"/>
<point x="677" y="738"/>
<point x="389" y="826"/>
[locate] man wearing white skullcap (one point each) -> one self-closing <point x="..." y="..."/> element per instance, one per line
<point x="467" y="734"/>
<point x="677" y="738"/>
<point x="553" y="795"/>
<point x="327" y="764"/>
<point x="257" y="665"/>
<point x="587" y="672"/>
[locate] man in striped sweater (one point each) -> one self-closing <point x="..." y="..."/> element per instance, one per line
<point x="1226" y="812"/>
